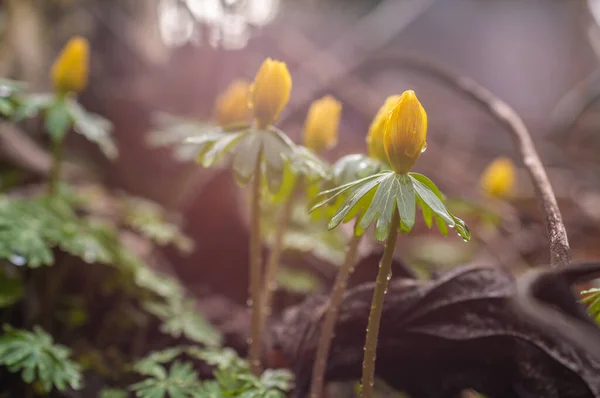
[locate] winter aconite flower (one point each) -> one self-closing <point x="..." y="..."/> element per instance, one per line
<point x="322" y="123"/>
<point x="405" y="132"/>
<point x="270" y="92"/>
<point x="377" y="129"/>
<point x="232" y="105"/>
<point x="498" y="179"/>
<point x="70" y="70"/>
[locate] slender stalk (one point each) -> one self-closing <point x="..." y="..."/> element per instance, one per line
<point x="57" y="154"/>
<point x="381" y="284"/>
<point x="255" y="268"/>
<point x="331" y="315"/>
<point x="274" y="258"/>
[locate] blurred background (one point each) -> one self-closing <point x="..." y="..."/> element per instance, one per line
<point x="540" y="56"/>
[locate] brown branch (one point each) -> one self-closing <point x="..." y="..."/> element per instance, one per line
<point x="560" y="252"/>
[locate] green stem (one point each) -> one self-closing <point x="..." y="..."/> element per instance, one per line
<point x="255" y="268"/>
<point x="333" y="308"/>
<point x="274" y="258"/>
<point x="57" y="153"/>
<point x="381" y="284"/>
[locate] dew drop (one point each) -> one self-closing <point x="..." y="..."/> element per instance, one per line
<point x="424" y="147"/>
<point x="465" y="240"/>
<point x="17" y="260"/>
<point x="249" y="302"/>
<point x="89" y="256"/>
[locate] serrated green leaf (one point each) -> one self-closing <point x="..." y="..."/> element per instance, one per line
<point x="244" y="161"/>
<point x="150" y="219"/>
<point x="405" y="200"/>
<point x="180" y="382"/>
<point x="441" y="224"/>
<point x="382" y="207"/>
<point x="58" y="120"/>
<point x="93" y="127"/>
<point x="180" y="317"/>
<point x="429" y="184"/>
<point x="329" y="195"/>
<point x="38" y="358"/>
<point x="354" y="167"/>
<point x="431" y="199"/>
<point x="353" y="198"/>
<point x="32" y="104"/>
<point x="219" y="148"/>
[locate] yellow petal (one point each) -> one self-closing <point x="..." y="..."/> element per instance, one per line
<point x="232" y="105"/>
<point x="70" y="70"/>
<point x="322" y="124"/>
<point x="377" y="129"/>
<point x="270" y="92"/>
<point x="405" y="132"/>
<point x="498" y="178"/>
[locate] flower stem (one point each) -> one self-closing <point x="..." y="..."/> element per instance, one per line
<point x="57" y="153"/>
<point x="331" y="315"/>
<point x="381" y="284"/>
<point x="255" y="268"/>
<point x="275" y="256"/>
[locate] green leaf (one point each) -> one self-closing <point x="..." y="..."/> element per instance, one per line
<point x="11" y="289"/>
<point x="113" y="393"/>
<point x="244" y="161"/>
<point x="429" y="184"/>
<point x="356" y="194"/>
<point x="354" y="167"/>
<point x="93" y="127"/>
<point x="150" y="219"/>
<point x="58" y="120"/>
<point x="32" y="105"/>
<point x="152" y="365"/>
<point x="38" y="358"/>
<point x="219" y="147"/>
<point x="382" y="207"/>
<point x="328" y="196"/>
<point x="181" y="381"/>
<point x="180" y="317"/>
<point x="592" y="299"/>
<point x="405" y="199"/>
<point x="431" y="199"/>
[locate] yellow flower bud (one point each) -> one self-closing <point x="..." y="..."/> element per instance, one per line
<point x="405" y="132"/>
<point x="70" y="70"/>
<point x="322" y="123"/>
<point x="498" y="178"/>
<point x="232" y="105"/>
<point x="270" y="91"/>
<point x="377" y="128"/>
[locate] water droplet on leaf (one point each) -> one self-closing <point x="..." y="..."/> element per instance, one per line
<point x="17" y="260"/>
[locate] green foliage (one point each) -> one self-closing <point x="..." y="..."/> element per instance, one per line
<point x="306" y="235"/>
<point x="232" y="376"/>
<point x="62" y="114"/>
<point x="374" y="199"/>
<point x="149" y="219"/>
<point x="9" y="102"/>
<point x="31" y="228"/>
<point x="592" y="299"/>
<point x="174" y="130"/>
<point x="112" y="393"/>
<point x="242" y="148"/>
<point x="180" y="317"/>
<point x="180" y="381"/>
<point x="38" y="358"/>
